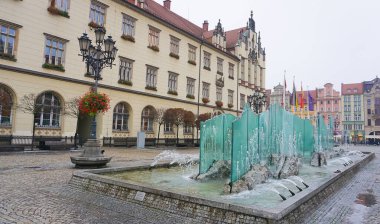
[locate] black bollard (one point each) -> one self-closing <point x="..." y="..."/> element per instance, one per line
<point x="291" y="192"/>
<point x="283" y="198"/>
<point x="305" y="185"/>
<point x="300" y="189"/>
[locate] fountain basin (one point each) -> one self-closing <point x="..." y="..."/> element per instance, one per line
<point x="211" y="209"/>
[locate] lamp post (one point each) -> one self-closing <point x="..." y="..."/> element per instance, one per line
<point x="95" y="58"/>
<point x="256" y="101"/>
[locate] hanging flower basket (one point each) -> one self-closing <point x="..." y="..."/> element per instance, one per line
<point x="92" y="103"/>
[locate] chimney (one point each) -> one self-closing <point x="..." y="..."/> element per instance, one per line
<point x="205" y="26"/>
<point x="167" y="4"/>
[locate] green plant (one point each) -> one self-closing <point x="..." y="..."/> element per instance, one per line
<point x="207" y="68"/>
<point x="173" y="92"/>
<point x="92" y="103"/>
<point x="95" y="25"/>
<point x="53" y="10"/>
<point x="192" y="62"/>
<point x="151" y="88"/>
<point x="128" y="37"/>
<point x="53" y="67"/>
<point x="125" y="82"/>
<point x="190" y="96"/>
<point x="154" y="48"/>
<point x="230" y="105"/>
<point x="9" y="57"/>
<point x="174" y="55"/>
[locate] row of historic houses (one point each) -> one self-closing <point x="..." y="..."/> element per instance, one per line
<point x="163" y="62"/>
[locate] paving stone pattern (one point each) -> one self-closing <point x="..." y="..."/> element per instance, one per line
<point x="34" y="189"/>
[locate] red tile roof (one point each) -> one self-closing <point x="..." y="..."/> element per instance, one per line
<point x="352" y="89"/>
<point x="173" y="18"/>
<point x="232" y="37"/>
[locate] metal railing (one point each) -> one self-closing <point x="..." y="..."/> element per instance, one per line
<point x="39" y="142"/>
<point x="132" y="141"/>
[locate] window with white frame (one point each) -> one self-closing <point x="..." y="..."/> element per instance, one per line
<point x="219" y="66"/>
<point x="129" y="24"/>
<point x="190" y="86"/>
<point x="230" y="97"/>
<point x="187" y="128"/>
<point x="120" y="117"/>
<point x="192" y="54"/>
<point x="125" y="69"/>
<point x="205" y="90"/>
<point x="97" y="13"/>
<point x="242" y="76"/>
<point x="172" y="83"/>
<point x="168" y="127"/>
<point x="231" y="70"/>
<point x="154" y="36"/>
<point x="206" y="60"/>
<point x="147" y="119"/>
<point x="151" y="76"/>
<point x="54" y="50"/>
<point x="7" y="40"/>
<point x="242" y="101"/>
<point x="49" y="110"/>
<point x="62" y="5"/>
<point x="174" y="46"/>
<point x="219" y="93"/>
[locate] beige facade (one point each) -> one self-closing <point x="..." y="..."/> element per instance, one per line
<point x="237" y="63"/>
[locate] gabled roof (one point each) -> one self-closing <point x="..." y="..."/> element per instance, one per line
<point x="232" y="37"/>
<point x="352" y="89"/>
<point x="173" y="18"/>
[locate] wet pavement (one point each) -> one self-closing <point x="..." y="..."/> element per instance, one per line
<point x="34" y="189"/>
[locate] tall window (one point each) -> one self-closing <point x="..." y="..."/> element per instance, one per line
<point x="174" y="46"/>
<point x="154" y="37"/>
<point x="187" y="128"/>
<point x="168" y="127"/>
<point x="249" y="71"/>
<point x="220" y="66"/>
<point x="219" y="93"/>
<point x="120" y="117"/>
<point x="230" y="97"/>
<point x="172" y="83"/>
<point x="192" y="54"/>
<point x="129" y="25"/>
<point x="147" y="119"/>
<point x="97" y="13"/>
<point x="206" y="90"/>
<point x="190" y="87"/>
<point x="62" y="5"/>
<point x="242" y="77"/>
<point x="125" y="69"/>
<point x="231" y="70"/>
<point x="242" y="101"/>
<point x="5" y="107"/>
<point x="54" y="51"/>
<point x="7" y="40"/>
<point x="151" y="76"/>
<point x="49" y="110"/>
<point x="206" y="60"/>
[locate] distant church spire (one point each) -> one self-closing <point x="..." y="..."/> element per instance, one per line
<point x="251" y="22"/>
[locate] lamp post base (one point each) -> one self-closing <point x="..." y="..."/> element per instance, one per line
<point x="92" y="156"/>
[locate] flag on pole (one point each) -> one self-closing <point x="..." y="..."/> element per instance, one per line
<point x="310" y="102"/>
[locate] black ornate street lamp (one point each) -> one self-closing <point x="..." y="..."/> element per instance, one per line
<point x="97" y="58"/>
<point x="256" y="101"/>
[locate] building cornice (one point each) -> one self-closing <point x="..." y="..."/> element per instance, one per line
<point x="83" y="82"/>
<point x="171" y="26"/>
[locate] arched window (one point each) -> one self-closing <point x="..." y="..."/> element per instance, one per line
<point x="48" y="110"/>
<point x="120" y="117"/>
<point x="147" y="118"/>
<point x="5" y="107"/>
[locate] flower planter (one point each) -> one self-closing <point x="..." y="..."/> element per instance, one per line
<point x="191" y="62"/>
<point x="205" y="100"/>
<point x="172" y="92"/>
<point x="230" y="105"/>
<point x="125" y="82"/>
<point x="219" y="103"/>
<point x="190" y="96"/>
<point x="128" y="38"/>
<point x="92" y="103"/>
<point x="154" y="48"/>
<point x="53" y="67"/>
<point x="174" y="55"/>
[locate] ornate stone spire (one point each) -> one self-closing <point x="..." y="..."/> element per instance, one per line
<point x="251" y="22"/>
<point x="219" y="29"/>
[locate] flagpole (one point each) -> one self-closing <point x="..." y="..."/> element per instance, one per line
<point x="308" y="106"/>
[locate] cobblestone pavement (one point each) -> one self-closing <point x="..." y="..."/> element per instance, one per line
<point x="354" y="203"/>
<point x="34" y="189"/>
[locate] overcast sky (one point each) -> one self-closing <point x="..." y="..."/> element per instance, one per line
<point x="317" y="41"/>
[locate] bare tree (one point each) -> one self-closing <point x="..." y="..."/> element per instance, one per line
<point x="160" y="119"/>
<point x="175" y="116"/>
<point x="72" y="107"/>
